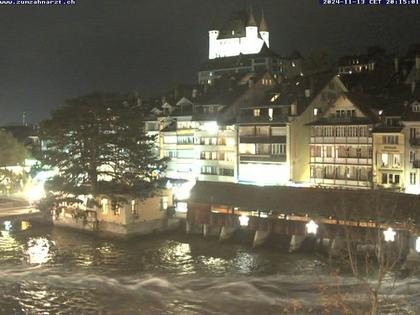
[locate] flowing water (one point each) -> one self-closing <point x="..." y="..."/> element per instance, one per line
<point x="46" y="270"/>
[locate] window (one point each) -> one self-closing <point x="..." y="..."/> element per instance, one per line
<point x="413" y="178"/>
<point x="270" y="114"/>
<point x="316" y="111"/>
<point x="105" y="206"/>
<point x="169" y="139"/>
<point x="384" y="178"/>
<point x="134" y="208"/>
<point x="262" y="131"/>
<point x="263" y="148"/>
<point x="412" y="133"/>
<point x="412" y="156"/>
<point x="390" y="139"/>
<point x="257" y="112"/>
<point x="384" y="158"/>
<point x="396" y="161"/>
<point x="164" y="203"/>
<point x="416" y="107"/>
<point x="209" y="170"/>
<point x="226" y="172"/>
<point x="247" y="148"/>
<point x="278" y="149"/>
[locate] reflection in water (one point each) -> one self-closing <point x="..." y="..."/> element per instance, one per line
<point x="75" y="273"/>
<point x="24" y="225"/>
<point x="38" y="251"/>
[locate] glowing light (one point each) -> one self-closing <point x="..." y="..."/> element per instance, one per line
<point x="7" y="225"/>
<point x="418" y="245"/>
<point x="211" y="127"/>
<point x="243" y="220"/>
<point x="389" y="235"/>
<point x="182" y="207"/>
<point x="169" y="185"/>
<point x="38" y="251"/>
<point x="311" y="227"/>
<point x="24" y="225"/>
<point x="35" y="192"/>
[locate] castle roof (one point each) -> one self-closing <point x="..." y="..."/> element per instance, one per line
<point x="263" y="24"/>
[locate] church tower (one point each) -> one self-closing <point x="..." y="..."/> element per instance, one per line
<point x="264" y="33"/>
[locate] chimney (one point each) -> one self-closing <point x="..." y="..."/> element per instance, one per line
<point x="293" y="109"/>
<point x="396" y="64"/>
<point x="307" y="93"/>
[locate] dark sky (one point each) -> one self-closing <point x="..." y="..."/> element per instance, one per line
<point x="49" y="54"/>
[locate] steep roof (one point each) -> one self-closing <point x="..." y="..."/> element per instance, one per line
<point x="235" y="26"/>
<point x="312" y="201"/>
<point x="263" y="24"/>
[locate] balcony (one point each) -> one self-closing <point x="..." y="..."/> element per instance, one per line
<point x="262" y="139"/>
<point x="262" y="158"/>
<point x="415" y="142"/>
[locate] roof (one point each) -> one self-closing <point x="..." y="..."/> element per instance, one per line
<point x="311" y="201"/>
<point x="235" y="26"/>
<point x="263" y="24"/>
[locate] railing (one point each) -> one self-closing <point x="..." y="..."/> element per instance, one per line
<point x="265" y="158"/>
<point x="415" y="141"/>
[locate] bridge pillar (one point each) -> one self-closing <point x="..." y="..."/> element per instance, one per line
<point x="413" y="256"/>
<point x="191" y="228"/>
<point x="226" y="232"/>
<point x="260" y="237"/>
<point x="188" y="227"/>
<point x="206" y="229"/>
<point x="296" y="242"/>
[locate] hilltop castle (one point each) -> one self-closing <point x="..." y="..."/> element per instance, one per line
<point x="240" y="35"/>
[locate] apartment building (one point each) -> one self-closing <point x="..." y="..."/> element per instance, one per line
<point x="341" y="147"/>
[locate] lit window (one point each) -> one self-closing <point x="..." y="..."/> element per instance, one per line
<point x="316" y="110"/>
<point x="134" y="209"/>
<point x="270" y="113"/>
<point x="164" y="203"/>
<point x="105" y="206"/>
<point x="247" y="148"/>
<point x="257" y="112"/>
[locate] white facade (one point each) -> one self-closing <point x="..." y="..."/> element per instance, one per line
<point x="251" y="43"/>
<point x="200" y="151"/>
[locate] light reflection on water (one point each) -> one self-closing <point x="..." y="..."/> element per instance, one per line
<point x="48" y="271"/>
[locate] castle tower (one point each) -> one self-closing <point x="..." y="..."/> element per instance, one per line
<point x="251" y="27"/>
<point x="264" y="33"/>
<point x="213" y="44"/>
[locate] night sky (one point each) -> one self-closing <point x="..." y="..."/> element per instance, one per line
<point x="49" y="54"/>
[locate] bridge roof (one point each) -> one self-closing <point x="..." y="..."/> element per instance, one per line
<point x="381" y="206"/>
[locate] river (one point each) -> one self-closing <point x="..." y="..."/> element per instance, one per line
<point x="47" y="270"/>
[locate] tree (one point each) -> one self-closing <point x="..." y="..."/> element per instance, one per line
<point x="12" y="153"/>
<point x="98" y="145"/>
<point x="370" y="257"/>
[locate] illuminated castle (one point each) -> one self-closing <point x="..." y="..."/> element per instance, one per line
<point x="240" y="35"/>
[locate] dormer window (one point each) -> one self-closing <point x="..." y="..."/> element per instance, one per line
<point x="416" y="107"/>
<point x="257" y="112"/>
